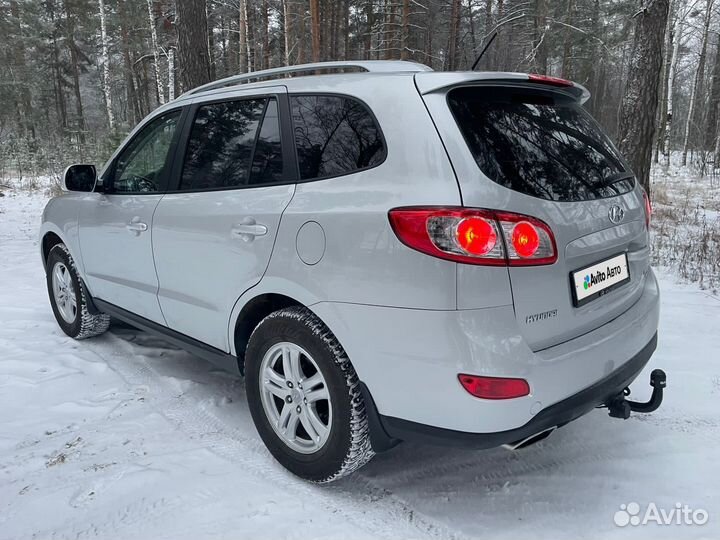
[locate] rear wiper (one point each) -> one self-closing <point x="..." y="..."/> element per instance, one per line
<point x="616" y="178"/>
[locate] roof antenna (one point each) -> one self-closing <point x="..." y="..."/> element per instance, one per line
<point x="482" y="53"/>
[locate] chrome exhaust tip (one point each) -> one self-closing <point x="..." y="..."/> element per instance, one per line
<point x="530" y="440"/>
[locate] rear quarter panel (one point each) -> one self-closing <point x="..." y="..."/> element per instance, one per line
<point x="363" y="261"/>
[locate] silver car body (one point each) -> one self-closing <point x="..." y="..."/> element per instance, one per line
<point x="410" y="323"/>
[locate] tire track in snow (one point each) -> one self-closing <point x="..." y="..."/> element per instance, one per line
<point x="370" y="508"/>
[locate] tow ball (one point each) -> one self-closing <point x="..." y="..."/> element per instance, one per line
<point x="619" y="407"/>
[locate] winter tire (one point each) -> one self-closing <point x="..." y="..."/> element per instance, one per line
<point x="304" y="397"/>
<point x="67" y="297"/>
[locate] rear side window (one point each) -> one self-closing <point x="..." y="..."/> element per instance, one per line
<point x="539" y="143"/>
<point x="233" y="144"/>
<point x="334" y="135"/>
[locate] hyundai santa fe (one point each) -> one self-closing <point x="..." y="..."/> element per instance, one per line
<point x="386" y="253"/>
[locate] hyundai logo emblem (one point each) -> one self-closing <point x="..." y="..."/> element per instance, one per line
<point x="616" y="214"/>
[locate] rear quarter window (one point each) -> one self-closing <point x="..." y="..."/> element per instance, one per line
<point x="539" y="143"/>
<point x="334" y="135"/>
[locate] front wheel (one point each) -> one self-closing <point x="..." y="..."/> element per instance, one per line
<point x="304" y="397"/>
<point x="67" y="297"/>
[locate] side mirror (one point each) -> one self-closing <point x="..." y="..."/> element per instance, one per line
<point x="79" y="178"/>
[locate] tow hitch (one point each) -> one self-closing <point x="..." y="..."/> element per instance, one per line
<point x="619" y="407"/>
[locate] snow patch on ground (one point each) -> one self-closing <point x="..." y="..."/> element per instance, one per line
<point x="123" y="436"/>
<point x="686" y="223"/>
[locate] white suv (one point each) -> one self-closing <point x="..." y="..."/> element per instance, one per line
<point x="395" y="254"/>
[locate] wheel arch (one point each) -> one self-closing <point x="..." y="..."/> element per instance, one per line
<point x="49" y="240"/>
<point x="252" y="312"/>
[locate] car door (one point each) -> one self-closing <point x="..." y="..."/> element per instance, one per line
<point x="213" y="236"/>
<point x="115" y="224"/>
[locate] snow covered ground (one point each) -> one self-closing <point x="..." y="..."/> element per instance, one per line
<point x="125" y="437"/>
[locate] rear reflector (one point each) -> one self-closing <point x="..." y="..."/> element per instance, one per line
<point x="494" y="387"/>
<point x="546" y="79"/>
<point x="475" y="235"/>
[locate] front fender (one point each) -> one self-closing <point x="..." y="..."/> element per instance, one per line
<point x="60" y="217"/>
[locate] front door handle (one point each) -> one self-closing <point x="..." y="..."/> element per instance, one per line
<point x="249" y="229"/>
<point x="136" y="226"/>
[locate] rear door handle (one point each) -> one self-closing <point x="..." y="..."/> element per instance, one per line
<point x="249" y="229"/>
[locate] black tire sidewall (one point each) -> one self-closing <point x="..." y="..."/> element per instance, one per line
<point x="329" y="459"/>
<point x="58" y="254"/>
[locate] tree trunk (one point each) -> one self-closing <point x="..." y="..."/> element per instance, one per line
<point x="567" y="41"/>
<point x="171" y="74"/>
<point x="711" y="124"/>
<point x="667" y="60"/>
<point x="498" y="46"/>
<point x="249" y="30"/>
<point x="698" y="83"/>
<point x="405" y="30"/>
<point x="105" y="62"/>
<point x="454" y="34"/>
<point x="191" y="23"/>
<point x="671" y="91"/>
<point x="287" y="30"/>
<point x="344" y="31"/>
<point x="315" y="29"/>
<point x="211" y="42"/>
<point x="387" y="31"/>
<point x="242" y="37"/>
<point x="265" y="35"/>
<point x="60" y="95"/>
<point x="539" y="45"/>
<point x="370" y="22"/>
<point x="471" y="23"/>
<point x="595" y="63"/>
<point x="75" y="70"/>
<point x="133" y="112"/>
<point x="639" y="103"/>
<point x="301" y="32"/>
<point x="156" y="52"/>
<point x="25" y="102"/>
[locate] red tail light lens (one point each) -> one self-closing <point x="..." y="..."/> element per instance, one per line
<point x="525" y="239"/>
<point x="475" y="236"/>
<point x="546" y="79"/>
<point x="648" y="209"/>
<point x="494" y="387"/>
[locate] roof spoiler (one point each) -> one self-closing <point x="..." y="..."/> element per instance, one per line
<point x="434" y="81"/>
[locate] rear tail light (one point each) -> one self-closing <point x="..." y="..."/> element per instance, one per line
<point x="648" y="209"/>
<point x="475" y="236"/>
<point x="494" y="387"/>
<point x="546" y="79"/>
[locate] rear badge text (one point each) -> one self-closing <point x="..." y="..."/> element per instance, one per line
<point x="541" y="316"/>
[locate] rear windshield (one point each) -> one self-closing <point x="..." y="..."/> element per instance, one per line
<point x="539" y="143"/>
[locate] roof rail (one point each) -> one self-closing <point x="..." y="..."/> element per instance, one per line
<point x="372" y="66"/>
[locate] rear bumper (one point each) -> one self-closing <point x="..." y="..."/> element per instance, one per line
<point x="388" y="429"/>
<point x="409" y="360"/>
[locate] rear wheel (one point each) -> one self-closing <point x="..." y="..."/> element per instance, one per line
<point x="67" y="297"/>
<point x="304" y="397"/>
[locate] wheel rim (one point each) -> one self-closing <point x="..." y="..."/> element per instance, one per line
<point x="295" y="397"/>
<point x="64" y="292"/>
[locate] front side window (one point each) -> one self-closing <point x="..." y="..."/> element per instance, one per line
<point x="141" y="166"/>
<point x="233" y="144"/>
<point x="334" y="135"/>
